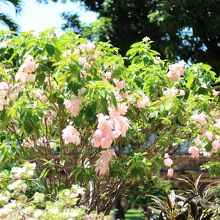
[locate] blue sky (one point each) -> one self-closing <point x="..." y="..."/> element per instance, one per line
<point x="39" y="17"/>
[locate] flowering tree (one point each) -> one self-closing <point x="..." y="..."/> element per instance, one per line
<point x="76" y="110"/>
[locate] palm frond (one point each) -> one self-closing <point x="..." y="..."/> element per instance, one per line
<point x="6" y="20"/>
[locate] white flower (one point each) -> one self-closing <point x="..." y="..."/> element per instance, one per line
<point x="182" y="92"/>
<point x="18" y="185"/>
<point x="23" y="172"/>
<point x="4" y="197"/>
<point x="145" y="39"/>
<point x="37" y="213"/>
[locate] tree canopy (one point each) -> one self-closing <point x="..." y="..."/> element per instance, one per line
<point x="6" y="19"/>
<point x="186" y="30"/>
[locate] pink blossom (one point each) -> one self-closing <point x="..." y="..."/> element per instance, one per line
<point x="4" y="86"/>
<point x="145" y="101"/>
<point x="170" y="172"/>
<point x="101" y="165"/>
<point x="71" y="135"/>
<point x="108" y="154"/>
<point x="118" y="96"/>
<point x="198" y="141"/>
<point x="175" y="71"/>
<point x="120" y="84"/>
<point x="87" y="65"/>
<point x="4" y="95"/>
<point x="38" y="93"/>
<point x="30" y="78"/>
<point x="28" y="58"/>
<point x="121" y="110"/>
<point x="87" y="47"/>
<point x="103" y="136"/>
<point x="208" y="135"/>
<point x="170" y="92"/>
<point x="215" y="146"/>
<point x="194" y="151"/>
<point x="110" y="127"/>
<point x="168" y="162"/>
<point x="215" y="93"/>
<point x="166" y="155"/>
<point x="82" y="60"/>
<point x="19" y="88"/>
<point x="121" y="126"/>
<point x="29" y="65"/>
<point x="73" y="106"/>
<point x="200" y="118"/>
<point x="25" y="77"/>
<point x="120" y="123"/>
<point x="108" y="75"/>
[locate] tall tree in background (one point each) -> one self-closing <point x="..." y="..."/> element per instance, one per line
<point x="188" y="30"/>
<point x="6" y="19"/>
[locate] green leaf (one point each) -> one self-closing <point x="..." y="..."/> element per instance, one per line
<point x="180" y="117"/>
<point x="44" y="173"/>
<point x="113" y="99"/>
<point x="50" y="49"/>
<point x="190" y="80"/>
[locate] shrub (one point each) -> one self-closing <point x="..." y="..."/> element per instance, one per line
<point x="84" y="117"/>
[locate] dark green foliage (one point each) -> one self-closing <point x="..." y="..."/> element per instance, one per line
<point x="5" y="19"/>
<point x="186" y="30"/>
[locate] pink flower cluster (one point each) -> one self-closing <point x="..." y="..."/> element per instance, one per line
<point x="194" y="151"/>
<point x="145" y="101"/>
<point x="38" y="93"/>
<point x="175" y="71"/>
<point x="4" y="93"/>
<point x="26" y="69"/>
<point x="85" y="63"/>
<point x="197" y="141"/>
<point x="101" y="165"/>
<point x="168" y="162"/>
<point x="200" y="118"/>
<point x="216" y="144"/>
<point x="108" y="75"/>
<point x="120" y="84"/>
<point x="73" y="106"/>
<point x="87" y="47"/>
<point x="170" y="92"/>
<point x="71" y="135"/>
<point x="110" y="127"/>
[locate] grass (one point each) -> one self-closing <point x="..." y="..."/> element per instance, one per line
<point x="131" y="214"/>
<point x="134" y="214"/>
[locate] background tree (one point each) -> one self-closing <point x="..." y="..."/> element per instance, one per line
<point x="6" y="19"/>
<point x="186" y="30"/>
